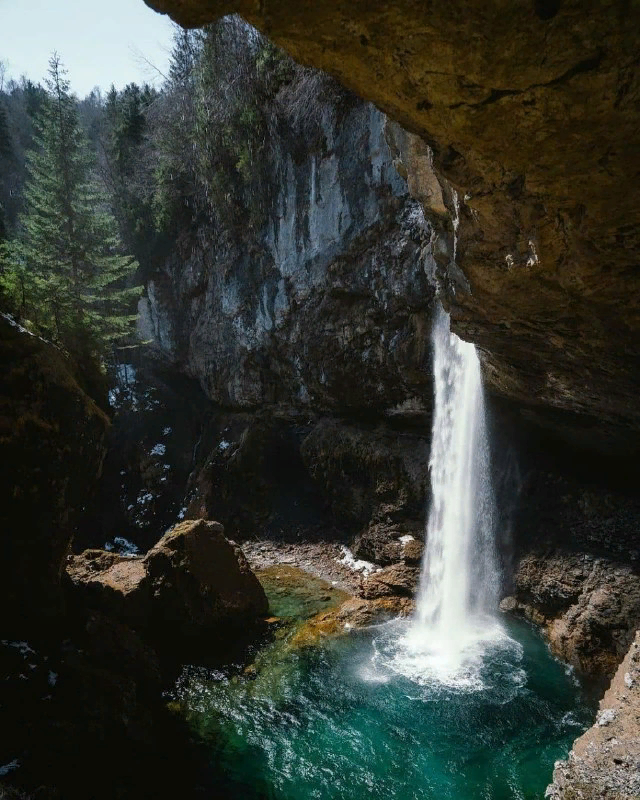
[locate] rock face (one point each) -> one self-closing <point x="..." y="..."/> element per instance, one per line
<point x="532" y="114"/>
<point x="328" y="307"/>
<point x="590" y="607"/>
<point x="52" y="444"/>
<point x="370" y="476"/>
<point x="200" y="581"/>
<point x="191" y="584"/>
<point x="604" y="762"/>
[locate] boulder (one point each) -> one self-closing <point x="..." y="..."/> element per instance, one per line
<point x="190" y="584"/>
<point x="200" y="580"/>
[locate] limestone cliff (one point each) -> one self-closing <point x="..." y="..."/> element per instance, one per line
<point x="328" y="306"/>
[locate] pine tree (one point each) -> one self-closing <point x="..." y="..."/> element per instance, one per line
<point x="6" y="156"/>
<point x="73" y="275"/>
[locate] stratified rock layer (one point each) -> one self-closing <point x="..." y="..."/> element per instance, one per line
<point x="589" y="607"/>
<point x="532" y="112"/>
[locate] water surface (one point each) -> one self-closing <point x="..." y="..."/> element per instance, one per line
<point x="346" y="719"/>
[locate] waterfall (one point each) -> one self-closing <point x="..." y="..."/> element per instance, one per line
<point x="459" y="583"/>
<point x="456" y="614"/>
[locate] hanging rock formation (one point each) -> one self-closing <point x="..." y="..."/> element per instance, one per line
<point x="532" y="112"/>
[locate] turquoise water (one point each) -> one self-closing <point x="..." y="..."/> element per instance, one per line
<point x="339" y="721"/>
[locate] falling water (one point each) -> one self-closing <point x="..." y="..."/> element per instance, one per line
<point x="455" y="620"/>
<point x="459" y="584"/>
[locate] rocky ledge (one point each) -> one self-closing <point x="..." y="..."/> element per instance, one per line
<point x="589" y="607"/>
<point x="605" y="761"/>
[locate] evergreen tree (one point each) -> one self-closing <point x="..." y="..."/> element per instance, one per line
<point x="128" y="167"/>
<point x="6" y="157"/>
<point x="72" y="276"/>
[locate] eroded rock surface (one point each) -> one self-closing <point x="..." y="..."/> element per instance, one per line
<point x="605" y="761"/>
<point x="328" y="306"/>
<point x="589" y="607"/>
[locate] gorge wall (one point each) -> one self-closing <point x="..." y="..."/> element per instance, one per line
<point x="530" y="112"/>
<point x="327" y="307"/>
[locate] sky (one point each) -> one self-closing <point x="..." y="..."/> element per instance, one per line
<point x="100" y="41"/>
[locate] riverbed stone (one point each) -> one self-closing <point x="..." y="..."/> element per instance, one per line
<point x="397" y="580"/>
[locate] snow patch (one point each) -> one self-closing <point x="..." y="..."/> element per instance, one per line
<point x="158" y="449"/>
<point x="224" y="445"/>
<point x="7" y="768"/>
<point x="357" y="565"/>
<point x="23" y="647"/>
<point x="122" y="546"/>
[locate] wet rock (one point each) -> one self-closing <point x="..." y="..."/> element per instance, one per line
<point x="604" y="761"/>
<point x="385" y="543"/>
<point x="396" y="580"/>
<point x="353" y="613"/>
<point x="589" y="607"/>
<point x="412" y="550"/>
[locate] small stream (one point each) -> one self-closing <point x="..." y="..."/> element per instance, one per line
<point x="337" y="720"/>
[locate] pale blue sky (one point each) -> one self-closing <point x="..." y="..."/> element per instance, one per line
<point x="100" y="41"/>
